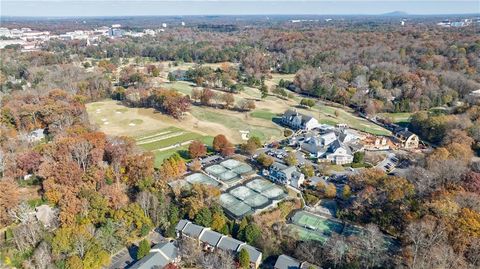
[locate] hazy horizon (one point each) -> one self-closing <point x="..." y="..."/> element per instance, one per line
<point x="62" y="8"/>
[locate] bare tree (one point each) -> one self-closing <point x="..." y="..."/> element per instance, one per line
<point x="189" y="250"/>
<point x="81" y="153"/>
<point x="27" y="235"/>
<point x="424" y="236"/>
<point x="144" y="199"/>
<point x="2" y="162"/>
<point x="22" y="213"/>
<point x="225" y="260"/>
<point x="309" y="251"/>
<point x="336" y="249"/>
<point x="42" y="255"/>
<point x="372" y="247"/>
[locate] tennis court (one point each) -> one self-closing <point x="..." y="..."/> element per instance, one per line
<point x="313" y="226"/>
<point x="267" y="189"/>
<point x="229" y="171"/>
<point x="242" y="169"/>
<point x="230" y="163"/>
<point x="259" y="185"/>
<point x="308" y="235"/>
<point x="199" y="178"/>
<point x="250" y="197"/>
<point x="229" y="177"/>
<point x="235" y="207"/>
<point x="215" y="170"/>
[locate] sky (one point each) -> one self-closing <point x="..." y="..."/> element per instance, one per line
<point x="83" y="8"/>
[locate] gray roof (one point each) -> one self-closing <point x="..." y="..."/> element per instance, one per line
<point x="168" y="249"/>
<point x="181" y="224"/>
<point x="228" y="243"/>
<point x="255" y="255"/>
<point x="287" y="170"/>
<point x="160" y="255"/>
<point x="279" y="166"/>
<point x="337" y="144"/>
<point x="286" y="262"/>
<point x="290" y="114"/>
<point x="210" y="237"/>
<point x="193" y="230"/>
<point x="315" y="180"/>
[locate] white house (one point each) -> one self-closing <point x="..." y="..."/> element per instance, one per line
<point x="317" y="146"/>
<point x="295" y="120"/>
<point x="287" y="175"/>
<point x="339" y="153"/>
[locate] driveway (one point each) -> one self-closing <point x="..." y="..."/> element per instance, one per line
<point x="126" y="257"/>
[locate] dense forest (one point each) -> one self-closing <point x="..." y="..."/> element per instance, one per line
<point x="403" y="70"/>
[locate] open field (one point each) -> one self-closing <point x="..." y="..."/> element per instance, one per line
<point x="180" y="86"/>
<point x="164" y="135"/>
<point x="397" y="117"/>
<point x="170" y="65"/>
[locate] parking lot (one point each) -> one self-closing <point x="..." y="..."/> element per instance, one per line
<point x="388" y="164"/>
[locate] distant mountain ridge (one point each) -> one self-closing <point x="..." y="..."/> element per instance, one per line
<point x="395" y="14"/>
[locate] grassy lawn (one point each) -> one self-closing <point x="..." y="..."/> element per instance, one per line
<point x="162" y="155"/>
<point x="277" y="77"/>
<point x="181" y="86"/>
<point x="263" y="114"/>
<point x="163" y="138"/>
<point x="262" y="132"/>
<point x="397" y="117"/>
<point x="332" y="115"/>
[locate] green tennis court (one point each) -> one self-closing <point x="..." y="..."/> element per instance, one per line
<point x="313" y="227"/>
<point x="307" y="235"/>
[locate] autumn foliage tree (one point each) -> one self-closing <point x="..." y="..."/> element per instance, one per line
<point x="197" y="149"/>
<point x="222" y="145"/>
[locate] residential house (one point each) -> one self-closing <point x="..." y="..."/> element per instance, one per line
<point x="212" y="240"/>
<point x="160" y="255"/>
<point x="229" y="244"/>
<point x="287" y="175"/>
<point x="193" y="230"/>
<point x="286" y="262"/>
<point x="296" y="121"/>
<point x="254" y="254"/>
<point x="314" y="181"/>
<point x="407" y="139"/>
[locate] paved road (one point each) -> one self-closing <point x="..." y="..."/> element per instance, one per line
<point x="126" y="257"/>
